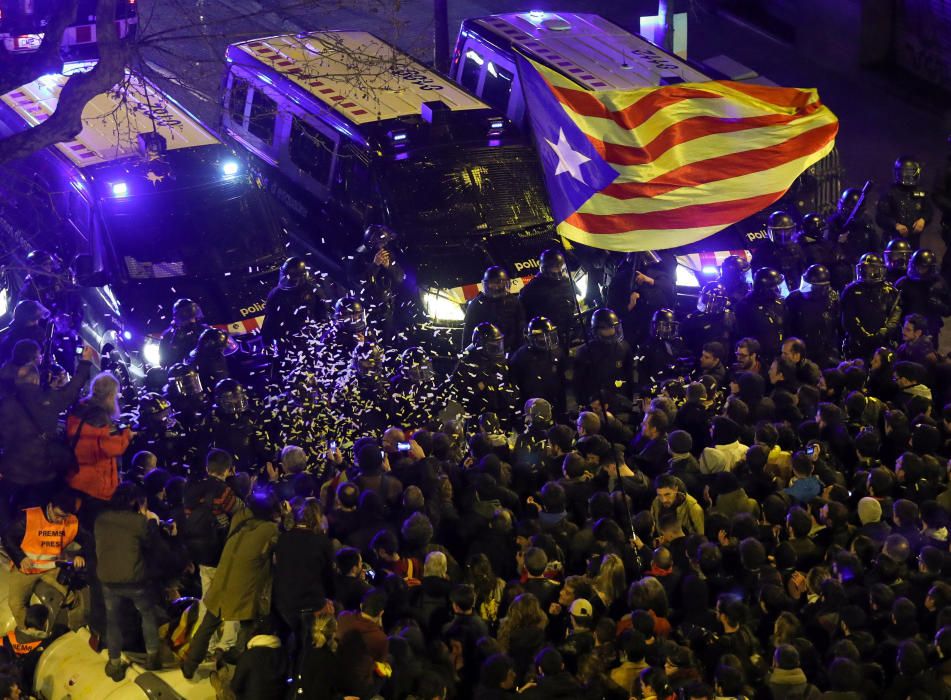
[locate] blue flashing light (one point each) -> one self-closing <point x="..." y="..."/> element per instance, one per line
<point x="127" y="335"/>
<point x="119" y="189"/>
<point x="399" y="136"/>
<point x="496" y="124"/>
<point x="711" y="270"/>
<point x="537" y="14"/>
<point x="230" y="168"/>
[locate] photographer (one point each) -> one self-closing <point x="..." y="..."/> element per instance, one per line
<point x="127" y="534"/>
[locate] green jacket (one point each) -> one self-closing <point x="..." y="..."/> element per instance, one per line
<point x="122" y="539"/>
<point x="241" y="587"/>
<point x="689" y="513"/>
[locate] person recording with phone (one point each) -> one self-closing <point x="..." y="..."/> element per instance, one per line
<point x="804" y="485"/>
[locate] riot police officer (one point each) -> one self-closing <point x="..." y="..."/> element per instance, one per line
<point x="181" y="337"/>
<point x="537" y="369"/>
<point x="905" y="209"/>
<point x="652" y="288"/>
<point x="897" y="254"/>
<point x="779" y="252"/>
<point x="210" y="356"/>
<point x="495" y="305"/>
<point x="734" y="276"/>
<point x="871" y="309"/>
<point x="349" y="328"/>
<point x="851" y="228"/>
<point x="942" y="199"/>
<point x="184" y="391"/>
<point x="551" y="294"/>
<point x="29" y="322"/>
<point x="295" y="301"/>
<point x="415" y="396"/>
<point x="234" y="428"/>
<point x="924" y="292"/>
<point x="663" y="355"/>
<point x="361" y="395"/>
<point x="811" y="239"/>
<point x="712" y="321"/>
<point x="761" y="313"/>
<point x="605" y="364"/>
<point x="812" y="314"/>
<point x="481" y="380"/>
<point x="382" y="282"/>
<point x="157" y="431"/>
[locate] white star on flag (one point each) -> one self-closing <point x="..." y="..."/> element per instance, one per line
<point x="569" y="160"/>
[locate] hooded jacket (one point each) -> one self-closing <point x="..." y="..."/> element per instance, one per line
<point x="689" y="513"/>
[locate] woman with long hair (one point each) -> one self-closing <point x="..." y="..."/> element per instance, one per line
<point x="315" y="678"/>
<point x="522" y="632"/>
<point x="98" y="441"/>
<point x="610" y="585"/>
<point x="488" y="587"/>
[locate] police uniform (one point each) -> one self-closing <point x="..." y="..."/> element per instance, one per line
<point x="662" y="359"/>
<point x="787" y="258"/>
<point x="762" y="317"/>
<point x="816" y="322"/>
<point x="551" y="298"/>
<point x="604" y="366"/>
<point x="286" y="311"/>
<point x="871" y="314"/>
<point x="539" y="374"/>
<point x="242" y="437"/>
<point x="504" y="312"/>
<point x="178" y="341"/>
<point x="702" y="327"/>
<point x="481" y="384"/>
<point x="904" y="205"/>
<point x="929" y="297"/>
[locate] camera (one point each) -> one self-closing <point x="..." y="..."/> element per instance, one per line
<point x="69" y="576"/>
<point x="80" y="349"/>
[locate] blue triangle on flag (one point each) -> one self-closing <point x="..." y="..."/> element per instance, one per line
<point x="574" y="171"/>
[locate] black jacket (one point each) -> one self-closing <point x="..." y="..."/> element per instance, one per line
<point x="561" y="686"/>
<point x="506" y="313"/>
<point x="303" y="571"/>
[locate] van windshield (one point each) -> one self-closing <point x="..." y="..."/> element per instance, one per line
<point x="192" y="232"/>
<point x="454" y="192"/>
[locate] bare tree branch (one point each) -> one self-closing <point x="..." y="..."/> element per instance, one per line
<point x="19" y="69"/>
<point x="66" y="122"/>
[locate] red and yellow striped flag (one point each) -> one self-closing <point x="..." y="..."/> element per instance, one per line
<point x="661" y="167"/>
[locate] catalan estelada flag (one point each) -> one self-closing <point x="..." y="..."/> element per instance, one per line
<point x="660" y="167"/>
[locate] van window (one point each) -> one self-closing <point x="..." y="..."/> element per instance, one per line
<point x="311" y="150"/>
<point x="237" y="100"/>
<point x="471" y="65"/>
<point x="79" y="213"/>
<point x="497" y="86"/>
<point x="263" y="116"/>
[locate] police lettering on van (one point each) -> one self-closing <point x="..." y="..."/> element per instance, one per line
<point x="349" y="132"/>
<point x="155" y="208"/>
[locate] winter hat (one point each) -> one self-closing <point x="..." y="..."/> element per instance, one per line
<point x="679" y="442"/>
<point x="870" y="510"/>
<point x="725" y="431"/>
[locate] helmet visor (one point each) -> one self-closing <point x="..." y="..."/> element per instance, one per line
<point x="186" y="385"/>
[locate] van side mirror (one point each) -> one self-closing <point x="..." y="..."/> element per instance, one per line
<point x="86" y="273"/>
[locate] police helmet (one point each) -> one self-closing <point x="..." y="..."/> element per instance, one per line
<point x="294" y="273"/>
<point x="183" y="380"/>
<point x="495" y="282"/>
<point x="488" y="338"/>
<point x="230" y="397"/>
<point x="768" y="280"/>
<point x="154" y="408"/>
<point x="186" y="311"/>
<point x="541" y="334"/>
<point x="870" y="268"/>
<point x="907" y="170"/>
<point x="816" y="282"/>
<point x="712" y="298"/>
<point x="416" y="365"/>
<point x="29" y="311"/>
<point x="780" y="227"/>
<point x="366" y="359"/>
<point x="810" y="228"/>
<point x="664" y="325"/>
<point x="212" y="341"/>
<point x="552" y="264"/>
<point x="538" y="413"/>
<point x="923" y="265"/>
<point x="605" y="325"/>
<point x="378" y="236"/>
<point x="897" y="255"/>
<point x="734" y="268"/>
<point x="850" y="197"/>
<point x="349" y="315"/>
<point x="41" y="259"/>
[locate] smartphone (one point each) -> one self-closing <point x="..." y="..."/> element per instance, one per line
<point x="80" y="349"/>
<point x="403" y="446"/>
<point x="811" y="450"/>
<point x="332" y="445"/>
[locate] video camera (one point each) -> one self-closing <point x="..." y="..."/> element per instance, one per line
<point x="70" y="577"/>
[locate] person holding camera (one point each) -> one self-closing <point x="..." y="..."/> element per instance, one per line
<point x="127" y="535"/>
<point x="98" y="440"/>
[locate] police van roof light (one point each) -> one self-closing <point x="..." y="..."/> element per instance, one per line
<point x="152" y="144"/>
<point x="119" y="189"/>
<point x="496" y="126"/>
<point x="398" y="137"/>
<point x="536" y="14"/>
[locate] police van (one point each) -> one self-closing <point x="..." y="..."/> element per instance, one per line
<point x="347" y="131"/>
<point x="151" y="206"/>
<point x="23" y="25"/>
<point x="599" y="55"/>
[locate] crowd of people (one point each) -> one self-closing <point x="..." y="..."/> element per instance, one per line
<point x="607" y="508"/>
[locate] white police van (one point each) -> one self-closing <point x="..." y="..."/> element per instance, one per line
<point x="347" y="131"/>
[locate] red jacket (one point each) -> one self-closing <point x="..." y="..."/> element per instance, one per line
<point x="96" y="452"/>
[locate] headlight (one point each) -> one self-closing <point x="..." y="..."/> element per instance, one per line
<point x="442" y="309"/>
<point x="686" y="277"/>
<point x="150" y="351"/>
